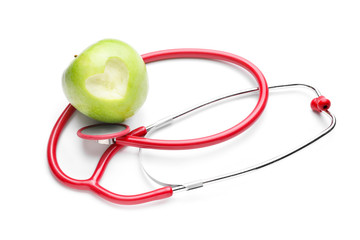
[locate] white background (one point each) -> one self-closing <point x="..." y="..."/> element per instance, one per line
<point x="311" y="195"/>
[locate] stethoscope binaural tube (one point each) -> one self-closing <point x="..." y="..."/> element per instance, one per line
<point x="319" y="104"/>
<point x="135" y="138"/>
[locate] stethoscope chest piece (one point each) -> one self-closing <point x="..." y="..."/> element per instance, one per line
<point x="103" y="133"/>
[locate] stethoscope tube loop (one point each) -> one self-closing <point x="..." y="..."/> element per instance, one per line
<point x="141" y="142"/>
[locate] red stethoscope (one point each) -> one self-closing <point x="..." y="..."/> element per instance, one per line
<point x="119" y="135"/>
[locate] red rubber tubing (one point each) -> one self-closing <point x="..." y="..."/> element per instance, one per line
<point x="92" y="183"/>
<point x="135" y="138"/>
<point x="141" y="142"/>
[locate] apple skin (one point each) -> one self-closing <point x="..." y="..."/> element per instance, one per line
<point x="91" y="62"/>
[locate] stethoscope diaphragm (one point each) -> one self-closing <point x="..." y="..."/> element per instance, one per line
<point x="104" y="132"/>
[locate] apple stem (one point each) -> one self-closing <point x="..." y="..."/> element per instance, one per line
<point x="75" y="56"/>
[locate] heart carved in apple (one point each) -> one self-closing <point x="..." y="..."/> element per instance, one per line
<point x="112" y="84"/>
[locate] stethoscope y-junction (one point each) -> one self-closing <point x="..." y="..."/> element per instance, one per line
<point x="119" y="135"/>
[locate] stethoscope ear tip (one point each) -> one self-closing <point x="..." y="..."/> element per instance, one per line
<point x="320" y="104"/>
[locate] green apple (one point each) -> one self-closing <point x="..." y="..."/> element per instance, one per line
<point x="107" y="82"/>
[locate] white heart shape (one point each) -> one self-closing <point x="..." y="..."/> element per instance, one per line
<point x="112" y="84"/>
